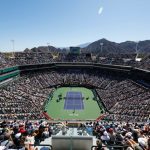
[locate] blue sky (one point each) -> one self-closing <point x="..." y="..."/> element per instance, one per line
<point x="63" y="23"/>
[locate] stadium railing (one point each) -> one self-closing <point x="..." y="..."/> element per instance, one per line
<point x="44" y="145"/>
<point x="9" y="75"/>
<point x="111" y="147"/>
<point x="10" y="69"/>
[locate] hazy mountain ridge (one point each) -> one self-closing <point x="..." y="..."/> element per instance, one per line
<point x="43" y="49"/>
<point x="107" y="47"/>
<point x="84" y="45"/>
<point x="123" y="47"/>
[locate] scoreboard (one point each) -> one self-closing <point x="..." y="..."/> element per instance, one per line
<point x="75" y="50"/>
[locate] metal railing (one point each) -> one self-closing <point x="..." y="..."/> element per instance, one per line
<point x="46" y="145"/>
<point x="111" y="147"/>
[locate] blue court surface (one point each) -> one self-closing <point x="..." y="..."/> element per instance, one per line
<point x="73" y="101"/>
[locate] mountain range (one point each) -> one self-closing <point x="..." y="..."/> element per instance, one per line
<point x="103" y="46"/>
<point x="107" y="46"/>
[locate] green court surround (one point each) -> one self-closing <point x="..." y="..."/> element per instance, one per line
<point x="55" y="105"/>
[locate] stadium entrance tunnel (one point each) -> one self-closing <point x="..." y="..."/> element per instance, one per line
<point x="73" y="103"/>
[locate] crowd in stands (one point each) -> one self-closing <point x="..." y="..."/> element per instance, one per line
<point x="23" y="98"/>
<point x="130" y="136"/>
<point x="28" y="135"/>
<point x="3" y="63"/>
<point x="21" y="134"/>
<point x="125" y="99"/>
<point x="145" y="63"/>
<point x="23" y="58"/>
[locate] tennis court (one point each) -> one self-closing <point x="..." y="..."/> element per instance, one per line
<point x="73" y="101"/>
<point x="73" y="104"/>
